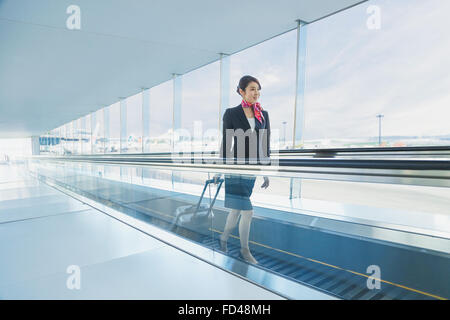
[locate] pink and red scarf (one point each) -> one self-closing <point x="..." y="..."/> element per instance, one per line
<point x="257" y="109"/>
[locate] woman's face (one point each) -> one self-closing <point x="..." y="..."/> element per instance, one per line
<point x="251" y="93"/>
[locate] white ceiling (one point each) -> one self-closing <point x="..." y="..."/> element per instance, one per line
<point x="50" y="75"/>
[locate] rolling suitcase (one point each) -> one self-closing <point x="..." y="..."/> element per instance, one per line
<point x="193" y="220"/>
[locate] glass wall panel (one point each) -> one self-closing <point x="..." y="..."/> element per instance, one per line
<point x="64" y="141"/>
<point x="44" y="143"/>
<point x="113" y="130"/>
<point x="50" y="142"/>
<point x="146" y="105"/>
<point x="55" y="146"/>
<point x="14" y="149"/>
<point x="54" y="142"/>
<point x="380" y="66"/>
<point x="61" y="141"/>
<point x="133" y="144"/>
<point x="73" y="136"/>
<point x="86" y="135"/>
<point x="273" y="63"/>
<point x="161" y="106"/>
<point x="77" y="128"/>
<point x="98" y="132"/>
<point x="112" y="173"/>
<point x="200" y="107"/>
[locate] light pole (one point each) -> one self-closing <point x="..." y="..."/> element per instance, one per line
<point x="284" y="133"/>
<point x="379" y="116"/>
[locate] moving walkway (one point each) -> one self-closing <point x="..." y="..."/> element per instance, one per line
<point x="331" y="253"/>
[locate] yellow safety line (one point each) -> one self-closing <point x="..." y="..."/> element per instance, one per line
<point x="160" y="213"/>
<point x="316" y="261"/>
<point x="339" y="268"/>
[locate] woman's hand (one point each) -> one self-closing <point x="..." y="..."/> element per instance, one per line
<point x="266" y="183"/>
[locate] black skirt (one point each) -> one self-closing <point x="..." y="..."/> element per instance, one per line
<point x="238" y="189"/>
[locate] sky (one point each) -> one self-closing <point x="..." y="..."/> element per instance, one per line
<point x="400" y="71"/>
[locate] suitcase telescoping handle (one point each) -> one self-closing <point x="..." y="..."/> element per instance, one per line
<point x="175" y="222"/>
<point x="203" y="192"/>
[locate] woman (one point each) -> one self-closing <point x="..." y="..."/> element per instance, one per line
<point x="255" y="133"/>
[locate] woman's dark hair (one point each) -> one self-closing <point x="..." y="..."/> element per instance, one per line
<point x="245" y="80"/>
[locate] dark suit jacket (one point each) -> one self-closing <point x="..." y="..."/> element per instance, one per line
<point x="248" y="146"/>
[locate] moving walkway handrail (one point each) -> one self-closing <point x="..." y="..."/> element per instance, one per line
<point x="434" y="173"/>
<point x="322" y="152"/>
<point x="395" y="164"/>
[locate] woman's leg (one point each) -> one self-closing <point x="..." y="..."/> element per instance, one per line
<point x="244" y="233"/>
<point x="232" y="220"/>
